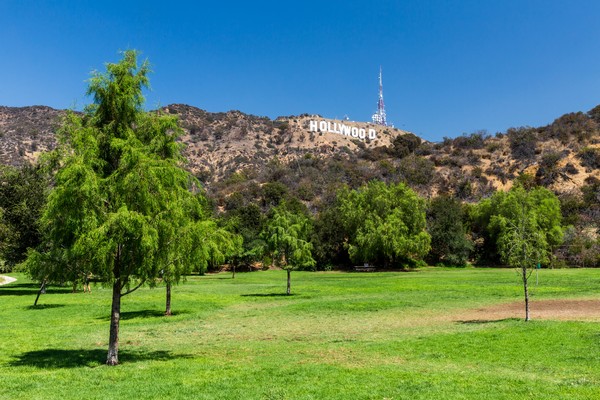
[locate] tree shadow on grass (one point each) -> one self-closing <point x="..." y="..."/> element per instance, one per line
<point x="218" y="277"/>
<point x="125" y="315"/>
<point x="29" y="289"/>
<point x="268" y="295"/>
<point x="44" y="306"/>
<point x="486" y="321"/>
<point x="60" y="358"/>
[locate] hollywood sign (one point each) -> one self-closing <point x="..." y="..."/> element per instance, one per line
<point x="341" y="129"/>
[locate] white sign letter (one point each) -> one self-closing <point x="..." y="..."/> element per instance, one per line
<point x="312" y="126"/>
<point x="372" y="134"/>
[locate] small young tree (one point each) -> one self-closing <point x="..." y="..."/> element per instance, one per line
<point x="197" y="244"/>
<point x="527" y="226"/>
<point x="287" y="236"/>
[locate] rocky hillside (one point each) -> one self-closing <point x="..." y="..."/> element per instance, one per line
<point x="25" y="132"/>
<point x="311" y="156"/>
<point x="220" y="144"/>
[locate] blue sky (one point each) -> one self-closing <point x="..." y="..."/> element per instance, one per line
<point x="449" y="67"/>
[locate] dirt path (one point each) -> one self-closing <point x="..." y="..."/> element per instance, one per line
<point x="6" y="279"/>
<point x="570" y="310"/>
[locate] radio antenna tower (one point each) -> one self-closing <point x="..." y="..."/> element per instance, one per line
<point x="379" y="116"/>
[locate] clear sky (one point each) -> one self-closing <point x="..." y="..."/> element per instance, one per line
<point x="449" y="67"/>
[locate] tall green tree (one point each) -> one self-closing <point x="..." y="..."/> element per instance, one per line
<point x="248" y="222"/>
<point x="287" y="235"/>
<point x="119" y="187"/>
<point x="446" y="225"/>
<point x="23" y="193"/>
<point x="526" y="225"/>
<point x="386" y="224"/>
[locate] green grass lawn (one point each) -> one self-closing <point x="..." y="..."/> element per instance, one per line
<point x="393" y="335"/>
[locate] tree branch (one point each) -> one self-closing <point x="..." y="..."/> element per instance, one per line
<point x="134" y="289"/>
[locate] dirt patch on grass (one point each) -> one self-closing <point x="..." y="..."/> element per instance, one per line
<point x="570" y="310"/>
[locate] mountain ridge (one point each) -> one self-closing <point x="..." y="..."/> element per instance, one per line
<point x="230" y="150"/>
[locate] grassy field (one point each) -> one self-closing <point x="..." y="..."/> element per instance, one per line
<point x="393" y="335"/>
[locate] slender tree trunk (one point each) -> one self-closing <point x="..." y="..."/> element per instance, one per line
<point x="524" y="271"/>
<point x="42" y="290"/>
<point x="115" y="316"/>
<point x="289" y="281"/>
<point x="168" y="305"/>
<point x="233" y="275"/>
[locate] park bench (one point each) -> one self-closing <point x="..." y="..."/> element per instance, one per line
<point x="364" y="268"/>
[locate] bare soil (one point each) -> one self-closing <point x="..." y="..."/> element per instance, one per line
<point x="569" y="310"/>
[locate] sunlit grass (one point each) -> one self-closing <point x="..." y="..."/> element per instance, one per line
<point x="394" y="335"/>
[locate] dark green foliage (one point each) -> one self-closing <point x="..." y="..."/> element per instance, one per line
<point x="248" y="222"/>
<point x="446" y="225"/>
<point x="523" y="142"/>
<point x="403" y="145"/>
<point x="525" y="180"/>
<point x="571" y="205"/>
<point x="234" y="201"/>
<point x="273" y="193"/>
<point x="590" y="157"/>
<point x="416" y="170"/>
<point x="475" y="140"/>
<point x="464" y="189"/>
<point x="594" y="114"/>
<point x="591" y="201"/>
<point x="577" y="127"/>
<point x="23" y="193"/>
<point x="329" y="237"/>
<point x="548" y="171"/>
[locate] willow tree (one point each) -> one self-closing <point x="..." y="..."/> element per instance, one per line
<point x="195" y="244"/>
<point x="287" y="234"/>
<point x="120" y="194"/>
<point x="384" y="223"/>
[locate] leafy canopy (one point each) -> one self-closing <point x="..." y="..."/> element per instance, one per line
<point x="287" y="235"/>
<point x="122" y="208"/>
<point x="445" y="223"/>
<point x="386" y="223"/>
<point x="526" y="225"/>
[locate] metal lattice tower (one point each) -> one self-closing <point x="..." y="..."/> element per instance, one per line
<point x="379" y="116"/>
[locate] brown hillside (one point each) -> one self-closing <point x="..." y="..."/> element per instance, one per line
<point x="234" y="151"/>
